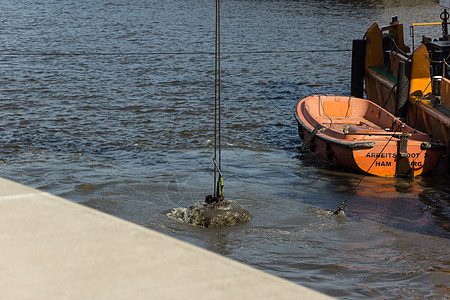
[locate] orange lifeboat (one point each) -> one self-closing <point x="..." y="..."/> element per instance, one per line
<point x="360" y="135"/>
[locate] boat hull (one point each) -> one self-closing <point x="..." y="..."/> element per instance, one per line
<point x="363" y="150"/>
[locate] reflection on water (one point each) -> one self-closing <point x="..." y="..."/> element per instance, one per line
<point x="117" y="115"/>
<point x="400" y="202"/>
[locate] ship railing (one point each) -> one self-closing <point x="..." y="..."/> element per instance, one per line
<point x="411" y="29"/>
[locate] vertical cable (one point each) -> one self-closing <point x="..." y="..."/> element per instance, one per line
<point x="216" y="80"/>
<point x="219" y="88"/>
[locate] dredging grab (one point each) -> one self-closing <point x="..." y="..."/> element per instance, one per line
<point x="215" y="211"/>
<point x="224" y="213"/>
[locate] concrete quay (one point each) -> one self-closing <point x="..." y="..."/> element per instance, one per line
<point x="52" y="248"/>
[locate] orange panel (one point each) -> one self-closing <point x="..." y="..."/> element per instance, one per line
<point x="420" y="72"/>
<point x="337" y="109"/>
<point x="374" y="46"/>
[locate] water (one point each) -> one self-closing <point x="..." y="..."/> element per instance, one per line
<point x="94" y="111"/>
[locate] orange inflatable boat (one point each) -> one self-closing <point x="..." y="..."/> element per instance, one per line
<point x="358" y="134"/>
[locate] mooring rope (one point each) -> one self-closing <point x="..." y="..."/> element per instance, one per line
<point x="343" y="204"/>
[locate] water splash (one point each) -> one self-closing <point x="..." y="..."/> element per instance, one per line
<point x="206" y="215"/>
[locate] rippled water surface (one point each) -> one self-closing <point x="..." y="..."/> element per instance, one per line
<point x="109" y="103"/>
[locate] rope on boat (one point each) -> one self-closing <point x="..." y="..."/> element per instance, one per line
<point x="398" y="49"/>
<point x="389" y="97"/>
<point x="323" y="109"/>
<point x="348" y="106"/>
<point x="316" y="130"/>
<point x="326" y="114"/>
<point x="343" y="204"/>
<point x="416" y="104"/>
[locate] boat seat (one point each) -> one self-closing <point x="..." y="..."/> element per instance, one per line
<point x="362" y="129"/>
<point x="327" y="121"/>
<point x="357" y="121"/>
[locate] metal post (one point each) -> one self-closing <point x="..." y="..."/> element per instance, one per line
<point x="358" y="68"/>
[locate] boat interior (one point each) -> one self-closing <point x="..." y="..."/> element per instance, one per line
<point x="348" y="117"/>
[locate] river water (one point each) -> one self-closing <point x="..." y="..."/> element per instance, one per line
<point x="109" y="103"/>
